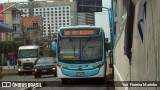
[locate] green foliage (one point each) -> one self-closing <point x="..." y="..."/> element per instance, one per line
<point x="9" y="46"/>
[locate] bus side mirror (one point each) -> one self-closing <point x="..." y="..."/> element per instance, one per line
<point x="53" y="45"/>
<point x="106" y="45"/>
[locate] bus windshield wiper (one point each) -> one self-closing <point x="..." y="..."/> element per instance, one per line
<point x="73" y="47"/>
<point x="85" y="43"/>
<point x="93" y="47"/>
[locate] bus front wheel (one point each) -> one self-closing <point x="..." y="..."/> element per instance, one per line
<point x="64" y="81"/>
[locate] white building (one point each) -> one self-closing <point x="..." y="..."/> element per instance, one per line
<point x="55" y="14"/>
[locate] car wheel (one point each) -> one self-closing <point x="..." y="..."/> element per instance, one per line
<point x="20" y="73"/>
<point x="35" y="76"/>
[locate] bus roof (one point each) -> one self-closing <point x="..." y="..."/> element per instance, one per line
<point x="81" y="26"/>
<point x="29" y="47"/>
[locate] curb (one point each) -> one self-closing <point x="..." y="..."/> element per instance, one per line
<point x="10" y="72"/>
<point x="29" y="88"/>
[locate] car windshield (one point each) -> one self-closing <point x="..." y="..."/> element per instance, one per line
<point x="32" y="53"/>
<point x="45" y="60"/>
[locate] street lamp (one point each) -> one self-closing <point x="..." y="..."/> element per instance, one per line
<point x="111" y="21"/>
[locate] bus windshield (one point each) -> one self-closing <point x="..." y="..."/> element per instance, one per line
<point x="31" y="53"/>
<point x="83" y="49"/>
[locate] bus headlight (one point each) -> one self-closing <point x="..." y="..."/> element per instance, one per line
<point x="99" y="65"/>
<point x="61" y="66"/>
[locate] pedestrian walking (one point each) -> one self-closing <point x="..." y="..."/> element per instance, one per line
<point x="8" y="59"/>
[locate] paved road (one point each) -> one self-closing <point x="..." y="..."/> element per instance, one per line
<point x="55" y="83"/>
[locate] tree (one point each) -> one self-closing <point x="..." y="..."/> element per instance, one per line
<point x="9" y="46"/>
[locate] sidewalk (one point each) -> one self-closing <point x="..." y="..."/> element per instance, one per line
<point x="12" y="71"/>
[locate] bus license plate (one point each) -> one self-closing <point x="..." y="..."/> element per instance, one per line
<point x="80" y="73"/>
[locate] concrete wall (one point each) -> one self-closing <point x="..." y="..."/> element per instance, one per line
<point x="145" y="62"/>
<point x="121" y="62"/>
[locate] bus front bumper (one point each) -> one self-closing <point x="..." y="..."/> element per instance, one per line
<point x="65" y="73"/>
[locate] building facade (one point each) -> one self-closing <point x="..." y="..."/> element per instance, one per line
<point x="86" y="19"/>
<point x="32" y="29"/>
<point x="7" y="21"/>
<point x="55" y="14"/>
<point x="60" y="13"/>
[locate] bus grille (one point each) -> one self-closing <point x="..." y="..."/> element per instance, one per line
<point x="27" y="66"/>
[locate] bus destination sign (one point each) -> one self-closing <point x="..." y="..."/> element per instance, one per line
<point x="79" y="32"/>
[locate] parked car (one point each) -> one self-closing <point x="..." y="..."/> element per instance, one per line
<point x="45" y="66"/>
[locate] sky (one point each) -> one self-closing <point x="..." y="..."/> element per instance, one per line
<point x="101" y="18"/>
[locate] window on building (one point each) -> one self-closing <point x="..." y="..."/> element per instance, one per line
<point x="14" y="27"/>
<point x="35" y="25"/>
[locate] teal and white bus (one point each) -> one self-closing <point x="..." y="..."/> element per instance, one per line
<point x="80" y="52"/>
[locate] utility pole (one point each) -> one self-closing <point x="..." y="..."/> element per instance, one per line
<point x="23" y="33"/>
<point x="111" y="22"/>
<point x="49" y="37"/>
